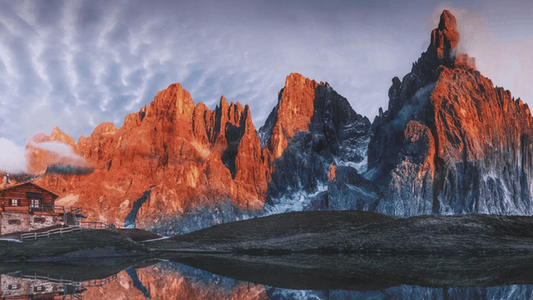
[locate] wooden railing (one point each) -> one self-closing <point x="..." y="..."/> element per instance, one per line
<point x="101" y="225"/>
<point x="62" y="230"/>
<point x="47" y="208"/>
<point x="50" y="279"/>
<point x="68" y="229"/>
<point x="94" y="225"/>
<point x="72" y="282"/>
<point x="75" y="210"/>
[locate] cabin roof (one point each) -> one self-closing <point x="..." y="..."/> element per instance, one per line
<point x="28" y="183"/>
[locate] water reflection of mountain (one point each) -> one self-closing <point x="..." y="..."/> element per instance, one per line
<point x="170" y="280"/>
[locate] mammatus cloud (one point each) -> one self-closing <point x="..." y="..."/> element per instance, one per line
<point x="76" y="64"/>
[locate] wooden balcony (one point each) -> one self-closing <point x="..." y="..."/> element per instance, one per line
<point x="14" y="209"/>
<point x="59" y="209"/>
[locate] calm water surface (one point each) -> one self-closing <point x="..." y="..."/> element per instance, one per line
<point x="274" y="277"/>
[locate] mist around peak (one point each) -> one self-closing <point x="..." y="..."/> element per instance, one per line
<point x="55" y="157"/>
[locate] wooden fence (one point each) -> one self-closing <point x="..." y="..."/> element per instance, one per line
<point x="84" y="284"/>
<point x="68" y="229"/>
<point x="48" y="278"/>
<point x="94" y="225"/>
<point x="62" y="230"/>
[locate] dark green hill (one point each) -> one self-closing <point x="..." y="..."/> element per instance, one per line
<point x="361" y="232"/>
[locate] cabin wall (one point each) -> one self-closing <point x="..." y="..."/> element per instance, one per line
<point x="14" y="222"/>
<point x="13" y="286"/>
<point x="25" y="222"/>
<point x="20" y="193"/>
<point x="39" y="221"/>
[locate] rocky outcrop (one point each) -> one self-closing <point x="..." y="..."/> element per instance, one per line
<point x="205" y="167"/>
<point x="450" y="142"/>
<point x="188" y="156"/>
<point x="331" y="135"/>
<point x="292" y="114"/>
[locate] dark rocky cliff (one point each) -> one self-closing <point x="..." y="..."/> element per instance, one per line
<point x="335" y="135"/>
<point x="449" y="143"/>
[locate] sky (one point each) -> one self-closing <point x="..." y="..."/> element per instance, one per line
<point x="75" y="64"/>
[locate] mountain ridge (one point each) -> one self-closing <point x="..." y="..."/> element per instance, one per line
<point x="448" y="143"/>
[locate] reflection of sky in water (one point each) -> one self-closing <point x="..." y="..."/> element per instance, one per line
<point x="166" y="280"/>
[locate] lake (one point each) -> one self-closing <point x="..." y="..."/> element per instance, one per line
<point x="186" y="276"/>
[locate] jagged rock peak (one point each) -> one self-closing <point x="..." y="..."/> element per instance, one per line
<point x="448" y="27"/>
<point x="447" y="22"/>
<point x="444" y="41"/>
<point x="292" y="113"/>
<point x="441" y="53"/>
<point x="105" y="128"/>
<point x="445" y="38"/>
<point x="58" y="135"/>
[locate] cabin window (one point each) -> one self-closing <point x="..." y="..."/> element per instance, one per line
<point x="39" y="288"/>
<point x="39" y="220"/>
<point x="14" y="222"/>
<point x="35" y="202"/>
<point x="14" y="286"/>
<point x="14" y="202"/>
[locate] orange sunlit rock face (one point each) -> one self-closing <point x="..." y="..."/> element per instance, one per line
<point x="294" y="111"/>
<point x="445" y="38"/>
<point x="473" y="119"/>
<point x="331" y="172"/>
<point x="190" y="155"/>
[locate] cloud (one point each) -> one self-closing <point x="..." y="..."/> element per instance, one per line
<point x="63" y="159"/>
<point x="59" y="148"/>
<point x="12" y="158"/>
<point x="75" y="64"/>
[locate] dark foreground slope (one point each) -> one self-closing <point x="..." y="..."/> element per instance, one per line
<point x="87" y="244"/>
<point x="362" y="232"/>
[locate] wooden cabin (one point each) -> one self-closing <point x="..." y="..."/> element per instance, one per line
<point x="27" y="206"/>
<point x="19" y="287"/>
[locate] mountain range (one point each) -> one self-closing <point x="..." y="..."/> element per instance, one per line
<point x="449" y="142"/>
